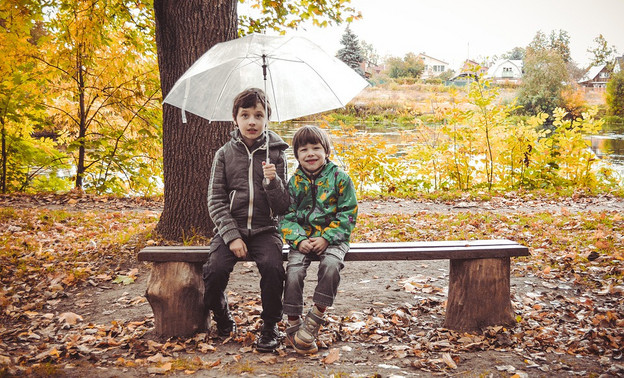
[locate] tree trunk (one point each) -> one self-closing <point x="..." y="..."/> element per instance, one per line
<point x="479" y="294"/>
<point x="184" y="31"/>
<point x="175" y="291"/>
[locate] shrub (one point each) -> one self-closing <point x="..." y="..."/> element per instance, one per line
<point x="615" y="94"/>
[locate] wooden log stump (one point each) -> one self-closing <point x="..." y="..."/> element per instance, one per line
<point x="479" y="294"/>
<point x="175" y="290"/>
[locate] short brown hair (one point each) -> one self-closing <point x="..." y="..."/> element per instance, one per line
<point x="249" y="98"/>
<point x="312" y="135"/>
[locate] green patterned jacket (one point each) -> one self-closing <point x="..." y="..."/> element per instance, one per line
<point x="326" y="206"/>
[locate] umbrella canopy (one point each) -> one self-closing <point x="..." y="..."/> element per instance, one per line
<point x="299" y="78"/>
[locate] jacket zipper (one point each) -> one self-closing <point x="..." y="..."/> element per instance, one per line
<point x="251" y="188"/>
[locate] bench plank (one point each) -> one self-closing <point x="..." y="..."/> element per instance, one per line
<point x="460" y="249"/>
<point x="479" y="273"/>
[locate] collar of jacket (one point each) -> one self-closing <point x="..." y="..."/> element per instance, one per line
<point x="275" y="141"/>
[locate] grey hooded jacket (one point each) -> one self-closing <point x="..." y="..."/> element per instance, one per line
<point x="239" y="202"/>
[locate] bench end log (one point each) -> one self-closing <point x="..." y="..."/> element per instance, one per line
<point x="175" y="290"/>
<point x="479" y="294"/>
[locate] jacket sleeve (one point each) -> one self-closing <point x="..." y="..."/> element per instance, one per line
<point x="291" y="230"/>
<point x="339" y="230"/>
<point x="276" y="190"/>
<point x="219" y="201"/>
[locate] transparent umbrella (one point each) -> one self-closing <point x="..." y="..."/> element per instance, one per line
<point x="298" y="77"/>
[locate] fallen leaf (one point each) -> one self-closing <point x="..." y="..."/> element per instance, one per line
<point x="271" y="360"/>
<point x="125" y="280"/>
<point x="448" y="360"/>
<point x="69" y="318"/>
<point x="333" y="356"/>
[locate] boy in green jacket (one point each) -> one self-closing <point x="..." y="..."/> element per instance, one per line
<point x="319" y="222"/>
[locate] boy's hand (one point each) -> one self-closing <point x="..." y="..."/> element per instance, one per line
<point x="269" y="170"/>
<point x="305" y="246"/>
<point x="238" y="248"/>
<point x="319" y="244"/>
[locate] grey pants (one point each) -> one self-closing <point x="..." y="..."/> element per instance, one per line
<point x="330" y="264"/>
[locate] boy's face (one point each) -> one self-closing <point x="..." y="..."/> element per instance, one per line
<point x="311" y="157"/>
<point x="250" y="122"/>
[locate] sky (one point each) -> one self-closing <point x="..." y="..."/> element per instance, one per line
<point x="456" y="30"/>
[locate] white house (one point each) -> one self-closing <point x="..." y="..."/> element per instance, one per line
<point x="433" y="66"/>
<point x="505" y="70"/>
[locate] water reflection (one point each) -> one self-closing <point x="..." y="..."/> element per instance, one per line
<point x="609" y="146"/>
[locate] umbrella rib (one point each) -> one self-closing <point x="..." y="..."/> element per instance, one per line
<point x="325" y="82"/>
<point x="224" y="86"/>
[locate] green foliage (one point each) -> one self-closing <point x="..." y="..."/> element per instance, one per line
<point x="542" y="82"/>
<point x="289" y="14"/>
<point x="25" y="160"/>
<point x="34" y="165"/>
<point x="351" y="53"/>
<point x="517" y="53"/>
<point x="615" y="94"/>
<point x="602" y="52"/>
<point x="557" y="42"/>
<point x="563" y="159"/>
<point x="410" y="66"/>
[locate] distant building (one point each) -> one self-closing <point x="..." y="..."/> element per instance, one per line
<point x="505" y="70"/>
<point x="433" y="67"/>
<point x="468" y="72"/>
<point x="596" y="77"/>
<point x="472" y="66"/>
<point x="370" y="69"/>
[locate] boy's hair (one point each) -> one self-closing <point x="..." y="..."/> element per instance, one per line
<point x="312" y="135"/>
<point x="249" y="98"/>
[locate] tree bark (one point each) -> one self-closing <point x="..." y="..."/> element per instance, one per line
<point x="184" y="31"/>
<point x="479" y="294"/>
<point x="175" y="290"/>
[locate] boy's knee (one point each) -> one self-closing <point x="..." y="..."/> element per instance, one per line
<point x="331" y="263"/>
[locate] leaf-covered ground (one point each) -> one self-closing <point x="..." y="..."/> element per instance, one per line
<point x="71" y="295"/>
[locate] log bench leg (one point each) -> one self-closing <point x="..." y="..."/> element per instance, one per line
<point x="479" y="294"/>
<point x="175" y="290"/>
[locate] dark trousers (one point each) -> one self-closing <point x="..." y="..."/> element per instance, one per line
<point x="266" y="250"/>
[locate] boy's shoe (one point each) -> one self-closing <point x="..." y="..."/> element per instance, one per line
<point x="221" y="315"/>
<point x="300" y="349"/>
<point x="226" y="325"/>
<point x="305" y="338"/>
<point x="269" y="338"/>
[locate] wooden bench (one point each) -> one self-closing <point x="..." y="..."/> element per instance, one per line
<point x="478" y="293"/>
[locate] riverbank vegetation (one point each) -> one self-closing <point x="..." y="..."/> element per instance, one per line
<point x="470" y="140"/>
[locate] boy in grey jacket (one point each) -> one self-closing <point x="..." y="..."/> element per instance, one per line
<point x="245" y="196"/>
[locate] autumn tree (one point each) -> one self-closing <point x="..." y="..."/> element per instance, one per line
<point x="184" y="31"/>
<point x="351" y="52"/>
<point x="370" y="54"/>
<point x="25" y="155"/>
<point x="544" y="76"/>
<point x="409" y="66"/>
<point x="517" y="53"/>
<point x="104" y="91"/>
<point x="560" y="42"/>
<point x="602" y="52"/>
